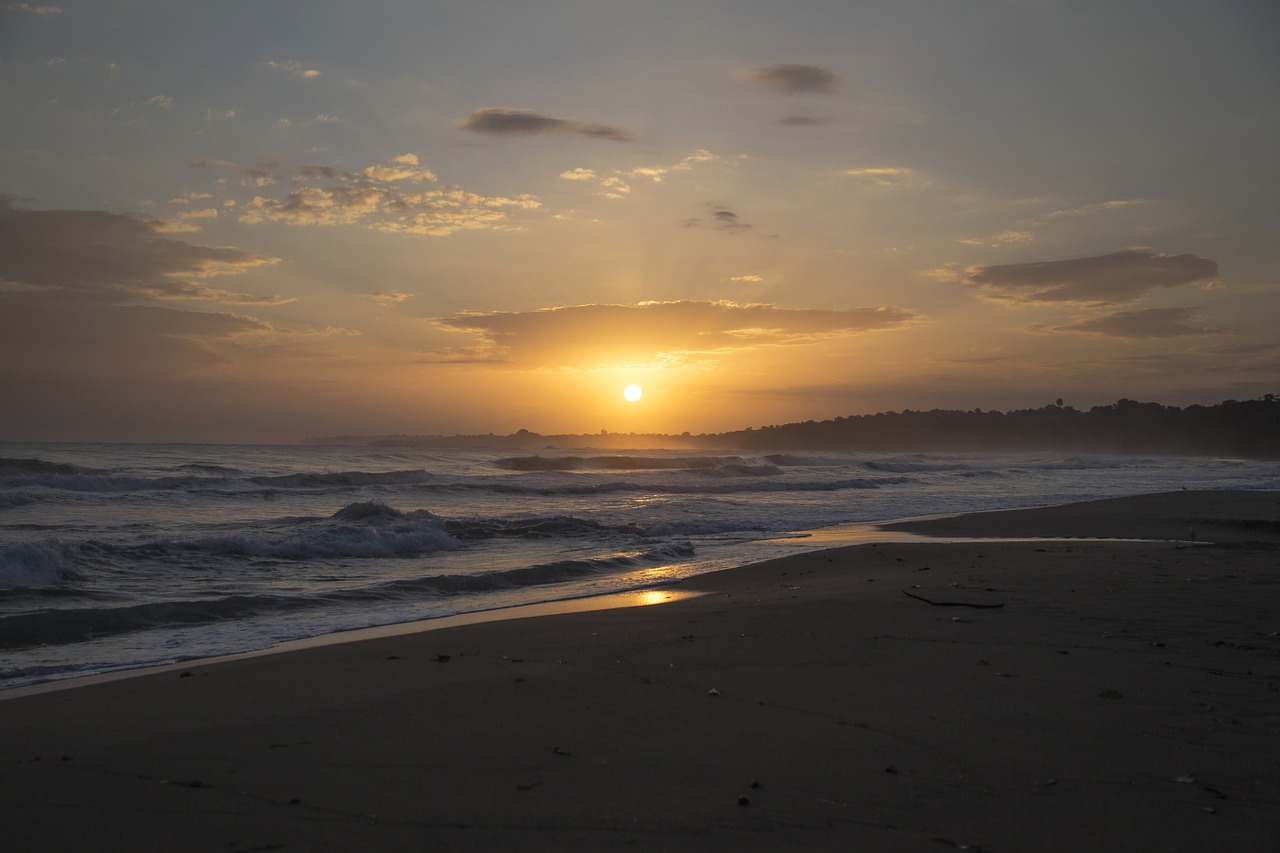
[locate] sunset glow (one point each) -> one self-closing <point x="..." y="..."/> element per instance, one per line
<point x="421" y="219"/>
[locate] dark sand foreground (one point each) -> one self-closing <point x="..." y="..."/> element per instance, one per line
<point x="1106" y="696"/>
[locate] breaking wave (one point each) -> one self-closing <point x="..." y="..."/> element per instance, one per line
<point x="71" y="625"/>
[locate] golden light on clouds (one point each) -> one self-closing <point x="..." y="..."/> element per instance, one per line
<point x="510" y="225"/>
<point x="659" y="334"/>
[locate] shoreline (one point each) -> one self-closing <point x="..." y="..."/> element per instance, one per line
<point x="1048" y="695"/>
<point x="992" y="525"/>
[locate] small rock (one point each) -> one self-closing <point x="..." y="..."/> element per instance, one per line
<point x="744" y="800"/>
<point x="713" y="692"/>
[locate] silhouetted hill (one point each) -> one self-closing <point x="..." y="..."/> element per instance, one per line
<point x="1249" y="428"/>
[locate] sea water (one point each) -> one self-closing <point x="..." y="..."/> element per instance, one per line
<point x="120" y="556"/>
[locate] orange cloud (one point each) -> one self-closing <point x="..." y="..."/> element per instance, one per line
<point x="293" y="67"/>
<point x="377" y="198"/>
<point x="655" y="332"/>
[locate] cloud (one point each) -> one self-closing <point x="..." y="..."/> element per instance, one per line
<point x="262" y="177"/>
<point x="1103" y="280"/>
<point x="1147" y="323"/>
<point x="316" y="206"/>
<point x="1027" y="228"/>
<point x="505" y="122"/>
<point x="888" y="176"/>
<point x="1004" y="238"/>
<point x="111" y="257"/>
<point x="34" y="10"/>
<point x="82" y="341"/>
<point x="73" y="284"/>
<point x="388" y="297"/>
<point x="374" y="197"/>
<point x="312" y="170"/>
<point x="400" y="172"/>
<point x="746" y="278"/>
<point x="212" y="163"/>
<point x="802" y="121"/>
<point x="293" y="67"/>
<point x="187" y="198"/>
<point x="615" y="188"/>
<point x="1090" y="209"/>
<point x="585" y="336"/>
<point x="728" y="220"/>
<point x="613" y="184"/>
<point x="164" y="102"/>
<point x="722" y="219"/>
<point x="792" y="79"/>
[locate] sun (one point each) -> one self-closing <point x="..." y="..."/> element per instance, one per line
<point x="632" y="393"/>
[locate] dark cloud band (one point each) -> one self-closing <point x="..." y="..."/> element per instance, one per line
<point x="1102" y="280"/>
<point x="503" y="122"/>
<point x="792" y="79"/>
<point x="1147" y="323"/>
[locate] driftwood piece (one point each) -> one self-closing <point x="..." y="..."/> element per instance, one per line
<point x="952" y="603"/>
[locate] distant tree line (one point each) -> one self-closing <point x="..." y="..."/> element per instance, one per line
<point x="1249" y="428"/>
<point x="1232" y="428"/>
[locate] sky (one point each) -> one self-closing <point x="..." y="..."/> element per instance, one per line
<point x="260" y="221"/>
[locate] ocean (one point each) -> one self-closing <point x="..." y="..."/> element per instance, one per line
<point x="122" y="556"/>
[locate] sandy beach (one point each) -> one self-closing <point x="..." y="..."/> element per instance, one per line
<point x="1049" y="695"/>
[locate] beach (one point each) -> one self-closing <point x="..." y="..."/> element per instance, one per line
<point x="1064" y="694"/>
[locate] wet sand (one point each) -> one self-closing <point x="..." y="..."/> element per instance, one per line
<point x="1055" y="695"/>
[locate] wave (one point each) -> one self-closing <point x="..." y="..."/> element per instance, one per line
<point x="366" y="530"/>
<point x="532" y="528"/>
<point x="9" y="500"/>
<point x="1085" y="463"/>
<point x="69" y="478"/>
<point x="357" y="531"/>
<point x="343" y="478"/>
<point x="209" y="468"/>
<point x="34" y="467"/>
<point x="32" y="565"/>
<point x="620" y="463"/>
<point x="92" y="482"/>
<point x="70" y="625"/>
<point x="915" y="463"/>
<point x="796" y="460"/>
<point x="596" y="487"/>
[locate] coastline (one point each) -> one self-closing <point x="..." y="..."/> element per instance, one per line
<point x="804" y="701"/>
